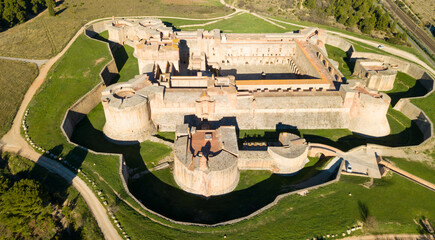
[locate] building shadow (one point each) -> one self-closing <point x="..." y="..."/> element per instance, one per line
<point x="171" y="25"/>
<point x="417" y="90"/>
<point x="172" y="202"/>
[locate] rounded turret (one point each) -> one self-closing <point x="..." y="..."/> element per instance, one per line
<point x="205" y="161"/>
<point x="127" y="111"/>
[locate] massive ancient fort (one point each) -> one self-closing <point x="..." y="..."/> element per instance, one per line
<point x="205" y="85"/>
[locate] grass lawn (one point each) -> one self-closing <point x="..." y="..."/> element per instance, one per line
<point x="427" y="105"/>
<point x="15" y="79"/>
<point x="45" y="36"/>
<point x="336" y="54"/>
<point x="139" y="157"/>
<point x="249" y="178"/>
<point x="405" y="86"/>
<point x="168" y="136"/>
<point x="157" y="190"/>
<point x="176" y="23"/>
<point x="125" y="61"/>
<point x="68" y="80"/>
<point x="245" y="23"/>
<point x="393" y="201"/>
<point x="420" y="169"/>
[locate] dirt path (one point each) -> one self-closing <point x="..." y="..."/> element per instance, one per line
<point x="38" y="62"/>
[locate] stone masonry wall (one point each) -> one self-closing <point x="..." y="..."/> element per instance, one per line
<point x="417" y="115"/>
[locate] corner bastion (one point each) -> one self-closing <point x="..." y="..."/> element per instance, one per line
<point x="127" y="110"/>
<point x="378" y="75"/>
<point x="291" y="156"/>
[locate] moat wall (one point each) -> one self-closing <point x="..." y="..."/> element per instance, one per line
<point x="85" y="104"/>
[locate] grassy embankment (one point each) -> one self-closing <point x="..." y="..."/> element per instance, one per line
<point x="15" y="79"/>
<point x="330" y="204"/>
<point x="423" y="170"/>
<point x="245" y="23"/>
<point x="45" y="36"/>
<point x="405" y="86"/>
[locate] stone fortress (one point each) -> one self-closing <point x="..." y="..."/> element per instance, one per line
<point x="204" y="85"/>
<point x="376" y="74"/>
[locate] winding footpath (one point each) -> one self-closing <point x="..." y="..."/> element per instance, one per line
<point x="38" y="62"/>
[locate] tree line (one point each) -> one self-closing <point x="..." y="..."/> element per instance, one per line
<point x="363" y="14"/>
<point x="35" y="204"/>
<point x="13" y="12"/>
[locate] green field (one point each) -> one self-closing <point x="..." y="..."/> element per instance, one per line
<point x="176" y="23"/>
<point x="421" y="169"/>
<point x="157" y="190"/>
<point x="245" y="23"/>
<point x="426" y="104"/>
<point x="40" y="38"/>
<point x="15" y="79"/>
<point x="125" y="61"/>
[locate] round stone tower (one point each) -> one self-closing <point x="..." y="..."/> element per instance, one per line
<point x="127" y="111"/>
<point x="205" y="161"/>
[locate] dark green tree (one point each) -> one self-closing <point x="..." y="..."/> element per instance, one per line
<point x="37" y="5"/>
<point x="23" y="212"/>
<point x="382" y="22"/>
<point x="352" y="21"/>
<point x="5" y="184"/>
<point x="368" y="24"/>
<point x="50" y="5"/>
<point x="311" y="4"/>
<point x="14" y="11"/>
